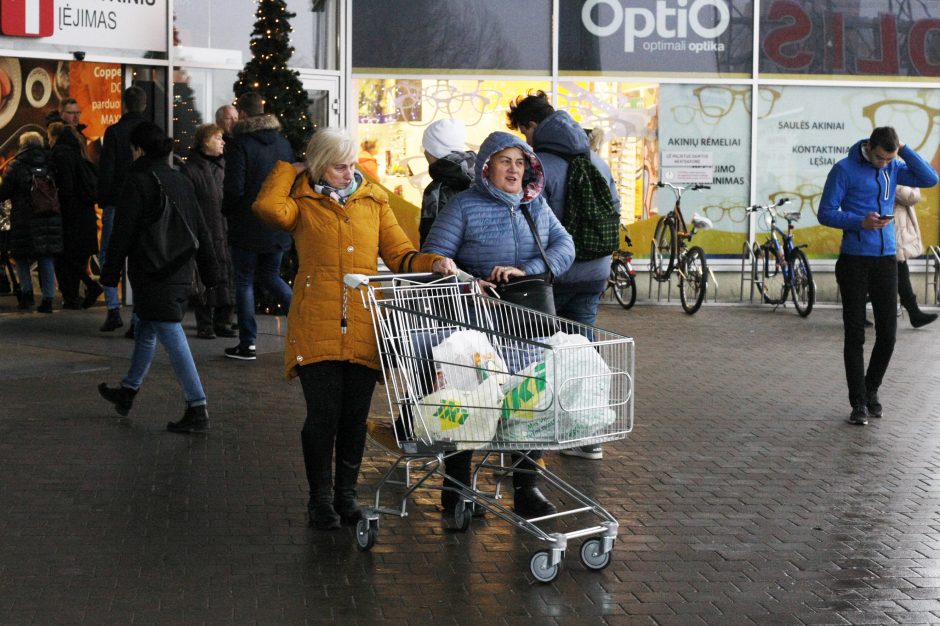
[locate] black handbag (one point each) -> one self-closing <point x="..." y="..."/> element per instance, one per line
<point x="168" y="242"/>
<point x="533" y="291"/>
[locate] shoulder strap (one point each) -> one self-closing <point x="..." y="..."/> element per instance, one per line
<point x="562" y="155"/>
<point x="538" y="240"/>
<point x="172" y="204"/>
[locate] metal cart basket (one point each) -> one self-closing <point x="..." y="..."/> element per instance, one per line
<point x="465" y="371"/>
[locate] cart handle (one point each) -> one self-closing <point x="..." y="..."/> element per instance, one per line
<point x="354" y="281"/>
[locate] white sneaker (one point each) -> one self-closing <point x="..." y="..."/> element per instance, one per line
<point x="595" y="453"/>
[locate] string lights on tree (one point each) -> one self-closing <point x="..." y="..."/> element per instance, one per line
<point x="267" y="73"/>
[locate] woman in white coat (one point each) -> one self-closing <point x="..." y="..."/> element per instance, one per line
<point x="909" y="246"/>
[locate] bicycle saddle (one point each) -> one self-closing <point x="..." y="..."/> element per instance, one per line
<point x="701" y="222"/>
<point x="793" y="216"/>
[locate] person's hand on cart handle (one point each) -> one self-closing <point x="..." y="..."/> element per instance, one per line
<point x="444" y="266"/>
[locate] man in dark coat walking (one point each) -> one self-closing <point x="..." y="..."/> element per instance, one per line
<point x="115" y="162"/>
<point x="257" y="249"/>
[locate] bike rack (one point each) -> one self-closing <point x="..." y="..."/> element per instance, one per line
<point x="930" y="278"/>
<point x="748" y="275"/>
<point x="714" y="280"/>
<point x="659" y="286"/>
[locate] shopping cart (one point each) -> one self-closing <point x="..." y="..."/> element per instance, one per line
<point x="466" y="371"/>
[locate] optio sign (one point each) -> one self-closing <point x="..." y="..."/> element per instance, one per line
<point x="667" y="23"/>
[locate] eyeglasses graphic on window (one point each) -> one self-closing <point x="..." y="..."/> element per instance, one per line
<point x="716" y="101"/>
<point x="684" y="114"/>
<point x="807" y="193"/>
<point x="907" y="116"/>
<point x="726" y="209"/>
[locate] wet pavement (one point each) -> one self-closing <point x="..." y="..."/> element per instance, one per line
<point x="743" y="495"/>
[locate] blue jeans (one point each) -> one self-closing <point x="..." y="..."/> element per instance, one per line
<point x="578" y="306"/>
<point x="46" y="276"/>
<point x="265" y="266"/>
<point x="111" y="298"/>
<point x="171" y="335"/>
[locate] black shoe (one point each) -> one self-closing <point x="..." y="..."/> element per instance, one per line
<point x="859" y="415"/>
<point x="45" y="306"/>
<point x="194" y="420"/>
<point x="25" y="301"/>
<point x="529" y="502"/>
<point x="112" y="322"/>
<point x="323" y="516"/>
<point x="244" y="353"/>
<point x="73" y="304"/>
<point x="919" y="318"/>
<point x="346" y="506"/>
<point x="205" y="333"/>
<point x="874" y="405"/>
<point x="129" y="333"/>
<point x="91" y="295"/>
<point x="121" y="397"/>
<point x="225" y="331"/>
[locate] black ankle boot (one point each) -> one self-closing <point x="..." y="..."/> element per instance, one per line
<point x="194" y="420"/>
<point x="121" y="397"/>
<point x="529" y="502"/>
<point x="26" y="300"/>
<point x="322" y="515"/>
<point x="112" y="322"/>
<point x="346" y="506"/>
<point x="45" y="306"/>
<point x="919" y="318"/>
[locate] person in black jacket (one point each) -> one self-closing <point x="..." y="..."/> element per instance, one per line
<point x="159" y="300"/>
<point x="79" y="221"/>
<point x="113" y="168"/>
<point x="32" y="237"/>
<point x="257" y="248"/>
<point x="450" y="165"/>
<point x="206" y="169"/>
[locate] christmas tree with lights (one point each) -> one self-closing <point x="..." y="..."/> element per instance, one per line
<point x="268" y="74"/>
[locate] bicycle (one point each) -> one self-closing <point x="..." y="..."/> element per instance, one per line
<point x="669" y="251"/>
<point x="780" y="266"/>
<point x="622" y="279"/>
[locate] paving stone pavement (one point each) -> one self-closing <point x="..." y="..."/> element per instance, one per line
<point x="743" y="495"/>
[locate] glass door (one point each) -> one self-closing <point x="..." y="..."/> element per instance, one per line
<point x="324" y="99"/>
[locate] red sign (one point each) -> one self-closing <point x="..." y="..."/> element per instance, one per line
<point x="27" y="18"/>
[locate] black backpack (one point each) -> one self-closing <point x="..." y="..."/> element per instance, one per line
<point x="43" y="193"/>
<point x="591" y="217"/>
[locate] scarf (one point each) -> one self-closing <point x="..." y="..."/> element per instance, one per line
<point x="512" y="199"/>
<point x="340" y="195"/>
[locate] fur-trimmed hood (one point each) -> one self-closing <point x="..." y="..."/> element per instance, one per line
<point x="253" y="124"/>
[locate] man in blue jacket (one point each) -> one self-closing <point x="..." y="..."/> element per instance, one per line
<point x="555" y="135"/>
<point x="859" y="199"/>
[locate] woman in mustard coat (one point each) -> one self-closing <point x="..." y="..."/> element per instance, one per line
<point x="341" y="224"/>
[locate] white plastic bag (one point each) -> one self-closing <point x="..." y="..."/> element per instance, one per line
<point x="573" y="377"/>
<point x="466" y="417"/>
<point x="465" y="359"/>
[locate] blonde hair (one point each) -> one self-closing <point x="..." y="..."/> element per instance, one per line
<point x="328" y="146"/>
<point x="32" y="138"/>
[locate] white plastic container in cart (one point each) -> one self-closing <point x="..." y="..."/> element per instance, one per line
<point x="466" y="371"/>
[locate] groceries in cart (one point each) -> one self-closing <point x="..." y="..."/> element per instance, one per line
<point x="474" y="396"/>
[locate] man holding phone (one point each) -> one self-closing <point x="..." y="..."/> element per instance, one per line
<point x="859" y="199"/>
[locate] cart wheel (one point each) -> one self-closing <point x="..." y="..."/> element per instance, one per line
<point x="463" y="513"/>
<point x="591" y="555"/>
<point x="540" y="568"/>
<point x="365" y="534"/>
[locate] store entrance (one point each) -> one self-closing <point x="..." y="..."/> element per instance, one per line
<point x="324" y="99"/>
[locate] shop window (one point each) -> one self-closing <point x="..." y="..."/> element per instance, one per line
<point x="218" y="32"/>
<point x="197" y="93"/>
<point x="814" y="127"/>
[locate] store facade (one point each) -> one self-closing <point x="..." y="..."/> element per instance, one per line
<point x="758" y="99"/>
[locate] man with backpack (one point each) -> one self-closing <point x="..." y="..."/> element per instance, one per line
<point x="581" y="191"/>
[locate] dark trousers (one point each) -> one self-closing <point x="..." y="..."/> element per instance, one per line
<point x="212" y="318"/>
<point x="905" y="289"/>
<point x="862" y="277"/>
<point x="338" y="396"/>
<point x="70" y="271"/>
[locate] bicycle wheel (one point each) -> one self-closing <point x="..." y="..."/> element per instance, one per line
<point x="801" y="279"/>
<point x="623" y="284"/>
<point x="693" y="280"/>
<point x="663" y="248"/>
<point x="772" y="277"/>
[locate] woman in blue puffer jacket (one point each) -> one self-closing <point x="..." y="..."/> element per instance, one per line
<point x="486" y="233"/>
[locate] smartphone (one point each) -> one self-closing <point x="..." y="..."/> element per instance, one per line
<point x="887" y="217"/>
